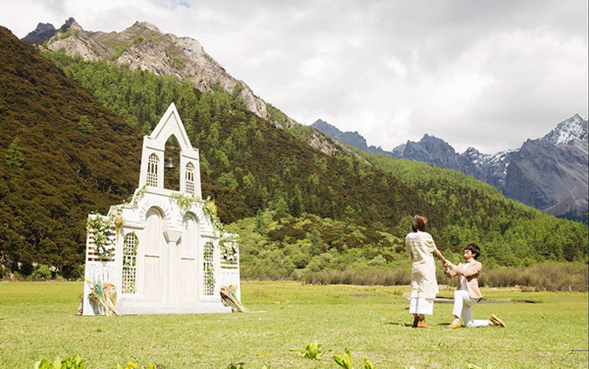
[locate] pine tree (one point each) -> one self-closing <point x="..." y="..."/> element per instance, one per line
<point x="14" y="156"/>
<point x="296" y="203"/>
<point x="84" y="125"/>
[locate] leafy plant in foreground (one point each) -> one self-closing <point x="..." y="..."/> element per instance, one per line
<point x="76" y="362"/>
<point x="345" y="361"/>
<point x="311" y="351"/>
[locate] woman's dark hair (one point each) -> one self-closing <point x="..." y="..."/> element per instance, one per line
<point x="474" y="249"/>
<point x="419" y="223"/>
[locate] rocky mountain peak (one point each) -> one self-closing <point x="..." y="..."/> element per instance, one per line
<point x="142" y="29"/>
<point x="143" y="46"/>
<point x="471" y="151"/>
<point x="348" y="138"/>
<point x="573" y="128"/>
<point x="433" y="150"/>
<point x="46" y="31"/>
<point x="42" y="33"/>
<point x="549" y="173"/>
<point x="145" y="26"/>
<point x="67" y="24"/>
<point x="353" y="139"/>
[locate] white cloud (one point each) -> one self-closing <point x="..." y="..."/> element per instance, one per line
<point x="474" y="73"/>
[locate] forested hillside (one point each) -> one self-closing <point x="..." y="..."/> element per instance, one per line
<point x="513" y="234"/>
<point x="63" y="155"/>
<point x="351" y="211"/>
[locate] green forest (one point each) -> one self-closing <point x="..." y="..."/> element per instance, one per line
<point x="297" y="210"/>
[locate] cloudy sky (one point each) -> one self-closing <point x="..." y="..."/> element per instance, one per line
<point x="487" y="74"/>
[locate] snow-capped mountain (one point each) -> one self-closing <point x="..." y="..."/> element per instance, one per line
<point x="549" y="173"/>
<point x="489" y="168"/>
<point x="573" y="128"/>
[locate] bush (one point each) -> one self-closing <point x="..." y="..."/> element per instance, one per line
<point x="363" y="277"/>
<point x="41" y="272"/>
<point x="539" y="277"/>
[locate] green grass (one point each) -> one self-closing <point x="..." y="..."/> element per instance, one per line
<point x="37" y="319"/>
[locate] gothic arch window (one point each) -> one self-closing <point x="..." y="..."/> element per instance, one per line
<point x="130" y="263"/>
<point x="189" y="178"/>
<point x="208" y="279"/>
<point x="172" y="157"/>
<point x="152" y="165"/>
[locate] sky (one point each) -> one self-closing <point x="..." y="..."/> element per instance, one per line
<point x="486" y="74"/>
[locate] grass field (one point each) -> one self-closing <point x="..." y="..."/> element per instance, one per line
<point x="544" y="330"/>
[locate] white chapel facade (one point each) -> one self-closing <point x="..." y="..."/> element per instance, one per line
<point x="164" y="251"/>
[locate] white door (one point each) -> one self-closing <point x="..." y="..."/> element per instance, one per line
<point x="188" y="260"/>
<point x="154" y="247"/>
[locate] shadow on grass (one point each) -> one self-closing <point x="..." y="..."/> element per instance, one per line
<point x="399" y="324"/>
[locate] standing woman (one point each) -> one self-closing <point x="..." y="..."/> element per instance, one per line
<point x="424" y="286"/>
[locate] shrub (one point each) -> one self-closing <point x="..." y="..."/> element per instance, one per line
<point x="41" y="272"/>
<point x="539" y="277"/>
<point x="363" y="277"/>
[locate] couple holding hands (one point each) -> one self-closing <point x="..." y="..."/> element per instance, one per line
<point x="424" y="286"/>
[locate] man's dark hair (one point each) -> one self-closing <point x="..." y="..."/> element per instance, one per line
<point x="474" y="249"/>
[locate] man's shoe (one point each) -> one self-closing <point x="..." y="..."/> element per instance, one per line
<point x="496" y="321"/>
<point x="453" y="326"/>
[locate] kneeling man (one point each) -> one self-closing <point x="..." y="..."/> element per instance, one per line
<point x="468" y="294"/>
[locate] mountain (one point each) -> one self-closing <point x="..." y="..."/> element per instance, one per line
<point x="432" y="150"/>
<point x="45" y="31"/>
<point x="353" y="139"/>
<point x="144" y="47"/>
<point x="574" y="128"/>
<point x="549" y="174"/>
<point x="551" y="177"/>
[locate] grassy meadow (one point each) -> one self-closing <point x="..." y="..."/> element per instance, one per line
<point x="544" y="330"/>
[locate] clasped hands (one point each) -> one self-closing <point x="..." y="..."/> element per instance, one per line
<point x="447" y="264"/>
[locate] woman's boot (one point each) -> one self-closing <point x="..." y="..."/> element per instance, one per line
<point x="415" y="321"/>
<point x="421" y="323"/>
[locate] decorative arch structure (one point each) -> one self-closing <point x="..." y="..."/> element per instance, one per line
<point x="162" y="252"/>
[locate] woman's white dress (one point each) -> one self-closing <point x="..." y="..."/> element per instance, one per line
<point x="420" y="245"/>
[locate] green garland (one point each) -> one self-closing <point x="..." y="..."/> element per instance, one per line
<point x="210" y="285"/>
<point x="208" y="207"/>
<point x="104" y="236"/>
<point x="229" y="250"/>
